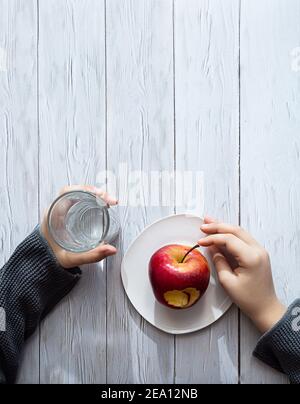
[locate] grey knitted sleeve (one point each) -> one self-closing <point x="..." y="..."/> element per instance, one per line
<point x="31" y="284"/>
<point x="280" y="347"/>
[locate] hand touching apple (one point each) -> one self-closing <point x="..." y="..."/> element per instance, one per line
<point x="70" y="260"/>
<point x="249" y="280"/>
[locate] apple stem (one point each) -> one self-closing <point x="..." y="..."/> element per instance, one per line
<point x="192" y="249"/>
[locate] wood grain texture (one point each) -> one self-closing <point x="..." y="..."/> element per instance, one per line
<point x="140" y="134"/>
<point x="18" y="141"/>
<point x="270" y="163"/>
<point x="72" y="150"/>
<point x="207" y="139"/>
<point x="153" y="85"/>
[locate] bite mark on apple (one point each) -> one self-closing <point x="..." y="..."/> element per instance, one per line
<point x="182" y="299"/>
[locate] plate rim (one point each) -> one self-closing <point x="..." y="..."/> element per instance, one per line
<point x="226" y="303"/>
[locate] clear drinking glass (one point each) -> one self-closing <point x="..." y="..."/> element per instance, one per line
<point x="79" y="221"/>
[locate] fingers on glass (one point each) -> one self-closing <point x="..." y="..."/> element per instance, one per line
<point x="90" y="188"/>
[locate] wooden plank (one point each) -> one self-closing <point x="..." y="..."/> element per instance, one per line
<point x="72" y="131"/>
<point x="207" y="140"/>
<point x="141" y="135"/>
<point x="18" y="141"/>
<point x="270" y="162"/>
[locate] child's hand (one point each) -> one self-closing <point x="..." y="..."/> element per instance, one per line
<point x="70" y="260"/>
<point x="249" y="281"/>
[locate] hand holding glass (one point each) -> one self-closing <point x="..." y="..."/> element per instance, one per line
<point x="79" y="221"/>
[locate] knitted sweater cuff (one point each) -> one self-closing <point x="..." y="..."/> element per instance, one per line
<point x="280" y="347"/>
<point x="31" y="284"/>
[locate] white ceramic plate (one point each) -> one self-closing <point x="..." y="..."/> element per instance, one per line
<point x="178" y="229"/>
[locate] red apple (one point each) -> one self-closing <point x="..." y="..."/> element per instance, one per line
<point x="178" y="284"/>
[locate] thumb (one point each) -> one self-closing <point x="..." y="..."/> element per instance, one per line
<point x="224" y="270"/>
<point x="98" y="254"/>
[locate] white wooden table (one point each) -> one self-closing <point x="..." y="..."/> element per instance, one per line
<point x="164" y="85"/>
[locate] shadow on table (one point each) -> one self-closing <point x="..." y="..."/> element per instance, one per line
<point x="207" y="356"/>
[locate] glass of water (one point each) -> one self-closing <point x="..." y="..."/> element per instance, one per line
<point x="80" y="221"/>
